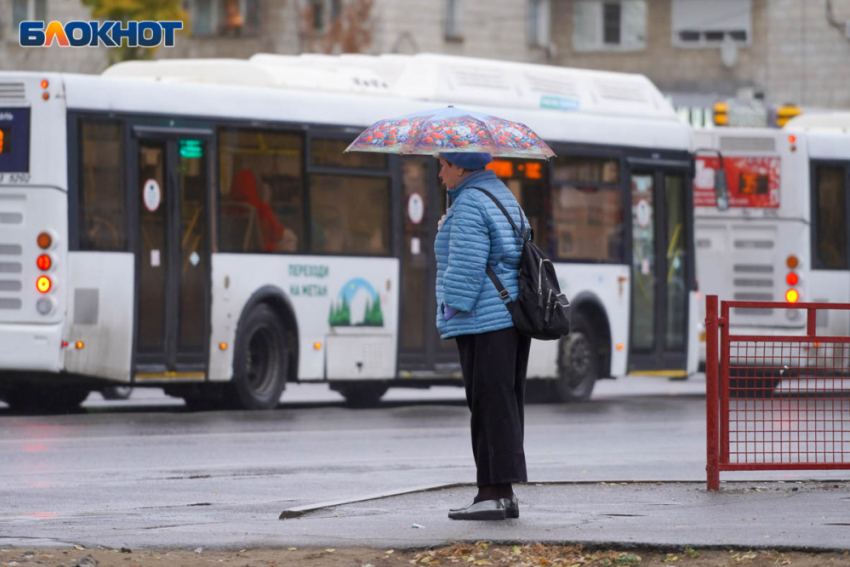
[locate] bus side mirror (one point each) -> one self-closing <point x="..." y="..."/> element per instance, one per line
<point x="721" y="191"/>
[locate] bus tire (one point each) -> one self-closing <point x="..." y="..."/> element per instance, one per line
<point x="362" y="395"/>
<point x="46" y="399"/>
<point x="578" y="364"/>
<point x="260" y="360"/>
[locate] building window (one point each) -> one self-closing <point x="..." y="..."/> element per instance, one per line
<point x="538" y="23"/>
<point x="453" y="16"/>
<point x="224" y="17"/>
<point x="587" y="209"/>
<point x="317" y="14"/>
<point x="103" y="202"/>
<point x="335" y="10"/>
<point x="696" y="23"/>
<point x="611" y="22"/>
<point x="830" y="222"/>
<point x="616" y="25"/>
<point x="261" y="188"/>
<point x="28" y="10"/>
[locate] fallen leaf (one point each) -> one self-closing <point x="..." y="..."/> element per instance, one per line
<point x="330" y="550"/>
<point x="516" y="550"/>
<point x="79" y="548"/>
<point x="390" y="551"/>
<point x="291" y="548"/>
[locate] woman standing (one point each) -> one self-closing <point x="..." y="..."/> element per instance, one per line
<point x="493" y="354"/>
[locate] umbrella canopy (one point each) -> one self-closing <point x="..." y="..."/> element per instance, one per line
<point x="451" y="130"/>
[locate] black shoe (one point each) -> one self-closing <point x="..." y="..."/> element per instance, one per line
<point x="484" y="511"/>
<point x="511" y="506"/>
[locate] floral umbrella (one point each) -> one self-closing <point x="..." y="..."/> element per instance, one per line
<point x="451" y="130"/>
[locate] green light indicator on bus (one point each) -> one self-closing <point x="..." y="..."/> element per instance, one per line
<point x="191" y="149"/>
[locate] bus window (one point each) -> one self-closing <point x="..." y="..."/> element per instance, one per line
<point x="587" y="209"/>
<point x="350" y="215"/>
<point x="527" y="181"/>
<point x="830" y="230"/>
<point x="103" y="200"/>
<point x="261" y="187"/>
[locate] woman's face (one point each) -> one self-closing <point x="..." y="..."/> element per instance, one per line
<point x="450" y="174"/>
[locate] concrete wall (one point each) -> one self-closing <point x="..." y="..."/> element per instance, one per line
<point x="15" y="57"/>
<point x="680" y="69"/>
<point x="795" y="54"/>
<point x="808" y="60"/>
<point x="494" y="29"/>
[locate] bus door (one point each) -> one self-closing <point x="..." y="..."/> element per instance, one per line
<point x="662" y="266"/>
<point x="423" y="202"/>
<point x="171" y="188"/>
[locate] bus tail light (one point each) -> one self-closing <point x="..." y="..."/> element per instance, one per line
<point x="44" y="240"/>
<point x="79" y="345"/>
<point x="792" y="262"/>
<point x="792" y="279"/>
<point x="791" y="296"/>
<point x="45" y="83"/>
<point x="44" y="306"/>
<point x="44" y="262"/>
<point x="43" y="284"/>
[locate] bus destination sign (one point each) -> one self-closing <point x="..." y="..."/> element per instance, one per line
<point x="753" y="182"/>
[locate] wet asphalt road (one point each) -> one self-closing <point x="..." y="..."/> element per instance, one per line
<point x="145" y="472"/>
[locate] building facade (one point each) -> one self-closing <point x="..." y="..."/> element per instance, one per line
<point x="697" y="51"/>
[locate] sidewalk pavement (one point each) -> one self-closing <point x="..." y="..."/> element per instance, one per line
<point x="805" y="515"/>
<point x="775" y="515"/>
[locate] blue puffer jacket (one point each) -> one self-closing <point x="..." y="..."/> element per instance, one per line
<point x="475" y="234"/>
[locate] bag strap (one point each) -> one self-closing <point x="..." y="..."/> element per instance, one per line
<point x="504" y="295"/>
<point x="522" y="233"/>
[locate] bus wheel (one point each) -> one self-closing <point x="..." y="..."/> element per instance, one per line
<point x="577" y="363"/>
<point x="260" y="360"/>
<point x="360" y="395"/>
<point x="46" y="398"/>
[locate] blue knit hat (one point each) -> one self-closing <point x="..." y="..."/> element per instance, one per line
<point x="467" y="160"/>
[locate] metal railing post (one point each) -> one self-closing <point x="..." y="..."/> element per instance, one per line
<point x="712" y="394"/>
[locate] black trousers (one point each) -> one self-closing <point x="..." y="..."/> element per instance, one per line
<point x="494" y="367"/>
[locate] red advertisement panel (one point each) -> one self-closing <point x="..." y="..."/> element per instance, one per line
<point x="752" y="181"/>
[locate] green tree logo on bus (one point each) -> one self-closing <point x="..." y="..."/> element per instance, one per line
<point x="351" y="300"/>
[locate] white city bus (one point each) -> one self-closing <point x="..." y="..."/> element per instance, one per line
<point x="784" y="234"/>
<point x="196" y="226"/>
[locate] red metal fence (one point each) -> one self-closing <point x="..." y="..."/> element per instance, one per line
<point x="775" y="402"/>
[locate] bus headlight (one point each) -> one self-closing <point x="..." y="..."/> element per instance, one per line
<point x="44" y="305"/>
